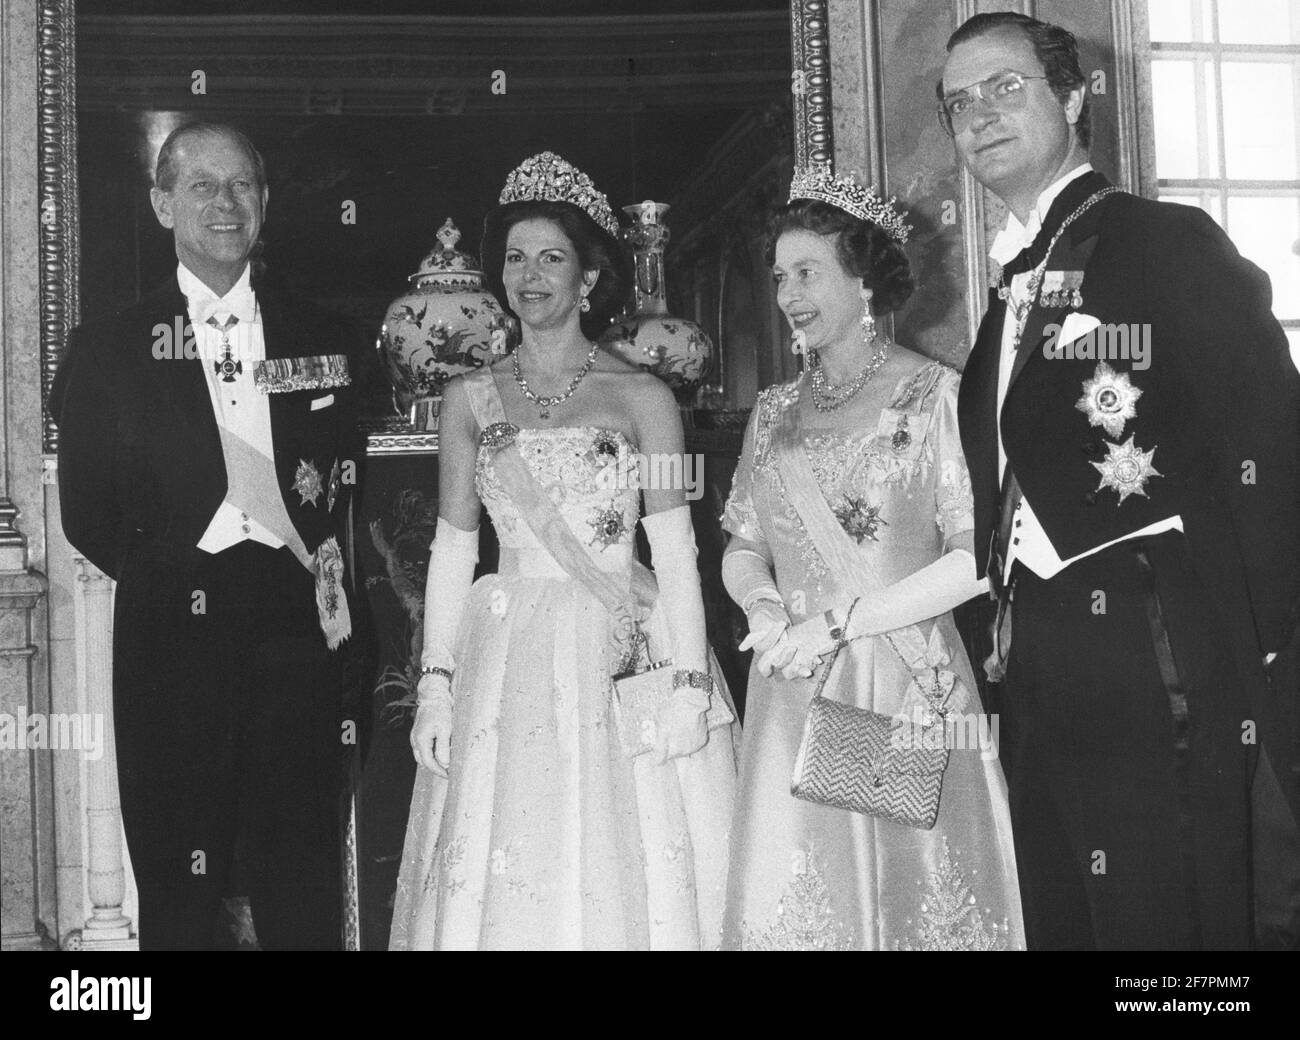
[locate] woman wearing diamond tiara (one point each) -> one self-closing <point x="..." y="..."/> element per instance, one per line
<point x="534" y="821"/>
<point x="851" y="511"/>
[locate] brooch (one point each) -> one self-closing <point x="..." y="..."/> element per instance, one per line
<point x="859" y="520"/>
<point x="498" y="435"/>
<point x="607" y="525"/>
<point x="1062" y="289"/>
<point x="1109" y="399"/>
<point x="307" y="482"/>
<point x="1127" y="469"/>
<point x="606" y="445"/>
<point x="901" y="438"/>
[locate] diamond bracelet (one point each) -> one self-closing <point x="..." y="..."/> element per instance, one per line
<point x="693" y="678"/>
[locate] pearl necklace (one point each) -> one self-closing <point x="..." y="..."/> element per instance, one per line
<point x="545" y="404"/>
<point x="828" y="396"/>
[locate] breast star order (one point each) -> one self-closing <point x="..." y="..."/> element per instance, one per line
<point x="1127" y="469"/>
<point x="307" y="482"/>
<point x="1109" y="399"/>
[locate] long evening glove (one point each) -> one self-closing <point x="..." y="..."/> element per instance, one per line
<point x="682" y="730"/>
<point x="451" y="573"/>
<point x="747" y="576"/>
<point x="933" y="590"/>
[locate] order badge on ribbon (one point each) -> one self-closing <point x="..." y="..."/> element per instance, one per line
<point x="331" y="599"/>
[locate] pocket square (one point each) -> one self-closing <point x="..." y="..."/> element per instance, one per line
<point x="322" y="402"/>
<point x="1076" y="325"/>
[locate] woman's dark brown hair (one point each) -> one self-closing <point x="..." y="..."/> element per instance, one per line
<point x="864" y="250"/>
<point x="595" y="247"/>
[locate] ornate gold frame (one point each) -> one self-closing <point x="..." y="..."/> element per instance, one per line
<point x="60" y="231"/>
<point x="810" y="52"/>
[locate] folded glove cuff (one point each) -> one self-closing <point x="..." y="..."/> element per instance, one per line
<point x="747" y="577"/>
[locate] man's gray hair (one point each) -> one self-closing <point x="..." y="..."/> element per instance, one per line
<point x="164" y="177"/>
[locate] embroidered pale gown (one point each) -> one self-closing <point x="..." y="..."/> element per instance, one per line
<point x="805" y="876"/>
<point x="547" y="836"/>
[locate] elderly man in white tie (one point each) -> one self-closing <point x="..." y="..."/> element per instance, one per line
<point x="205" y="457"/>
<point x="1129" y="413"/>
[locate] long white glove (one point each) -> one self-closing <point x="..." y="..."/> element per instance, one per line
<point x="747" y="576"/>
<point x="453" y="556"/>
<point x="683" y="729"/>
<point x="933" y="590"/>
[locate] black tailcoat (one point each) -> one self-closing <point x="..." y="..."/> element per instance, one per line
<point x="1220" y="406"/>
<point x="140" y="456"/>
<point x="227" y="707"/>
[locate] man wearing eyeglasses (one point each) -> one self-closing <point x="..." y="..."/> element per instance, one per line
<point x="1136" y="501"/>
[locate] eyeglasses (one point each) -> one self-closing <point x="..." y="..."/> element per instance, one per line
<point x="1004" y="91"/>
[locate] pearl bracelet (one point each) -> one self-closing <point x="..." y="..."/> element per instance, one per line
<point x="433" y="669"/>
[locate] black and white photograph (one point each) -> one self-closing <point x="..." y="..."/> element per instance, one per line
<point x="652" y="475"/>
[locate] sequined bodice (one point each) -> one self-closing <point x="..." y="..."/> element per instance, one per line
<point x="590" y="474"/>
<point x="846" y="461"/>
<point x="898" y="487"/>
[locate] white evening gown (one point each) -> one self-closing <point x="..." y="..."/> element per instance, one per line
<point x="807" y="876"/>
<point x="546" y="836"/>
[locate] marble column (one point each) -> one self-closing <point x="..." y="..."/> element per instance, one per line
<point x="107" y="927"/>
<point x="27" y="890"/>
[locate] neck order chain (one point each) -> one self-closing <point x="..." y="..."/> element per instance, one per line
<point x="1021" y="309"/>
<point x="828" y="396"/>
<point x="545" y="404"/>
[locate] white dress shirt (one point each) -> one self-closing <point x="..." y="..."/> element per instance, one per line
<point x="1029" y="542"/>
<point x="238" y="407"/>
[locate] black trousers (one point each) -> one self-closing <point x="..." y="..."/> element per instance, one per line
<point x="1129" y="774"/>
<point x="227" y="716"/>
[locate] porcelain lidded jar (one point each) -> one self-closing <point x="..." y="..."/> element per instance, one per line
<point x="445" y="324"/>
<point x="677" y="350"/>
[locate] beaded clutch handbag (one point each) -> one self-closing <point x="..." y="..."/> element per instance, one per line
<point x="860" y="760"/>
<point x="641" y="695"/>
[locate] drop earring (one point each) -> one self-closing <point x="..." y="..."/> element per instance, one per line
<point x="585" y="305"/>
<point x="798" y="342"/>
<point x="868" y="324"/>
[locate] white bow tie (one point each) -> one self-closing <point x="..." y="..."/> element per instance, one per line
<point x="241" y="303"/>
<point x="1009" y="242"/>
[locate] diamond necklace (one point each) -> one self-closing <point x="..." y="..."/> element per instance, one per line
<point x="545" y="404"/>
<point x="829" y="396"/>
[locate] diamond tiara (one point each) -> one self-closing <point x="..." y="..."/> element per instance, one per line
<point x="546" y="177"/>
<point x="844" y="193"/>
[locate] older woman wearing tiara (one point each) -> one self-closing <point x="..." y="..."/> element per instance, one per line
<point x="545" y="815"/>
<point x="851" y="527"/>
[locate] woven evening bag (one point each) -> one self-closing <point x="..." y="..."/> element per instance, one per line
<point x="860" y="760"/>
